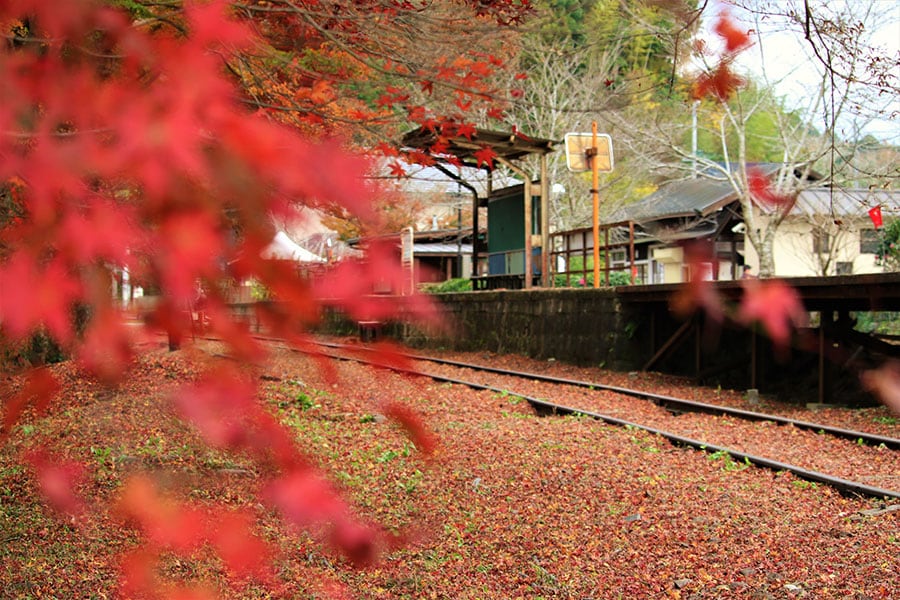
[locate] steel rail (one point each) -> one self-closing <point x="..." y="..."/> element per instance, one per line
<point x="671" y="403"/>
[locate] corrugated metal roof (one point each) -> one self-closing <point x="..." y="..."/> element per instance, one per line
<point x="441" y="249"/>
<point x="847" y="202"/>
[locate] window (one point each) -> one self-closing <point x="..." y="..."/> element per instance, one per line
<point x="868" y="241"/>
<point x="843" y="268"/>
<point x="821" y="242"/>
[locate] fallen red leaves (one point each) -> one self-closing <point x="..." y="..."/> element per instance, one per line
<point x="513" y="505"/>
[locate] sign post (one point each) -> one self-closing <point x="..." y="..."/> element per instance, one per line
<point x="591" y="151"/>
<point x="407" y="259"/>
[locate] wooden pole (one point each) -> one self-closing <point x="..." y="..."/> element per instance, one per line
<point x="595" y="196"/>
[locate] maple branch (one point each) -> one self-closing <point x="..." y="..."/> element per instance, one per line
<point x="22" y="135"/>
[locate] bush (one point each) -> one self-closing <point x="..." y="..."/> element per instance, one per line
<point x="889" y="247"/>
<point x="38" y="349"/>
<point x="450" y="286"/>
<point x="616" y="278"/>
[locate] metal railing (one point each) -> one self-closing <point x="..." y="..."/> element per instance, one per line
<point x="578" y="243"/>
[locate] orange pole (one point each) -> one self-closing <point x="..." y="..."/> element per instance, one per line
<point x="595" y="196"/>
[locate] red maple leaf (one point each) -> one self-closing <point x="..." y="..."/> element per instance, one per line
<point x="735" y="39"/>
<point x="397" y="170"/>
<point x="762" y="194"/>
<point x="386" y="100"/>
<point x="774" y="304"/>
<point x="243" y="553"/>
<point x="106" y="350"/>
<point x="309" y="501"/>
<point x="441" y="146"/>
<point x="189" y="247"/>
<point x="420" y="435"/>
<point x="78" y="237"/>
<point x="446" y="73"/>
<point x="698" y="292"/>
<point x="884" y="382"/>
<point x="166" y="523"/>
<point x="386" y="149"/>
<point x="480" y="68"/>
<point x="466" y="130"/>
<point x="520" y="135"/>
<point x="42" y="294"/>
<point x="485" y="156"/>
<point x="40" y="388"/>
<point x="495" y="113"/>
<point x="219" y="406"/>
<point x="211" y="27"/>
<point x="719" y="83"/>
<point x="137" y="570"/>
<point x="428" y="123"/>
<point x="58" y="480"/>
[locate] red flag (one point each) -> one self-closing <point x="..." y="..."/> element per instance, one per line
<point x="875" y="215"/>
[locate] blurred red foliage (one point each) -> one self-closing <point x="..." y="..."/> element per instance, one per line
<point x="127" y="148"/>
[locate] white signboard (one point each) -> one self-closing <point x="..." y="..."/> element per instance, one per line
<point x="406" y="246"/>
<point x="578" y="150"/>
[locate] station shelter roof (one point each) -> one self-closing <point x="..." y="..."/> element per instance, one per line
<point x="509" y="146"/>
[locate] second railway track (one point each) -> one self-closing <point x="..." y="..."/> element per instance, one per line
<point x="853" y="462"/>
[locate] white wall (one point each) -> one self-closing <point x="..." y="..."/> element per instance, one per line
<point x="794" y="256"/>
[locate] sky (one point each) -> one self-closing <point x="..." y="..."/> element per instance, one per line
<point x="787" y="60"/>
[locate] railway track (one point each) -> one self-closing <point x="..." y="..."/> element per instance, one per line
<point x="674" y="406"/>
<point x="670" y="403"/>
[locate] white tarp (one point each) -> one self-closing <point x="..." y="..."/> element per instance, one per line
<point x="283" y="248"/>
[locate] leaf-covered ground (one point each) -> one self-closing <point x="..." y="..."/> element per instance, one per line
<point x="512" y="505"/>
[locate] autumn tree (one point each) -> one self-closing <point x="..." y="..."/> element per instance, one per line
<point x="162" y="138"/>
<point x="366" y="71"/>
<point x="743" y="124"/>
<point x="596" y="60"/>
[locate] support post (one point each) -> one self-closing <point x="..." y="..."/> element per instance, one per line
<point x="754" y="358"/>
<point x="545" y="224"/>
<point x="595" y="197"/>
<point x="822" y="342"/>
<point x="527" y="208"/>
<point x="529" y="259"/>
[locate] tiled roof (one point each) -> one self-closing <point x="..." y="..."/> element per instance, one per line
<point x="688" y="198"/>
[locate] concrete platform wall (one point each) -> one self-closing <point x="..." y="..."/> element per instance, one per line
<point x="579" y="326"/>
